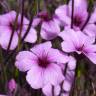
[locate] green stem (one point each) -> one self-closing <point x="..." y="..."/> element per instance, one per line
<point x="3" y="70"/>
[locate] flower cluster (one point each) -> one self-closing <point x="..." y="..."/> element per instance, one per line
<point x="49" y="68"/>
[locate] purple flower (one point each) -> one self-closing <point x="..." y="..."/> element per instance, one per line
<point x="42" y="64"/>
<point x="7" y="23"/>
<point x="49" y="27"/>
<point x="80" y="43"/>
<point x="80" y="14"/>
<point x="12" y="85"/>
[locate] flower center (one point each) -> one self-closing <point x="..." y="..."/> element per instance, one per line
<point x="80" y="48"/>
<point x="14" y="26"/>
<point x="43" y="62"/>
<point x="95" y="23"/>
<point x="77" y="21"/>
<point x="44" y="16"/>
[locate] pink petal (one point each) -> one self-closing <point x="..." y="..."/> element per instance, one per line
<point x="35" y="77"/>
<point x="32" y="36"/>
<point x="36" y="21"/>
<point x="70" y="76"/>
<point x="70" y="40"/>
<point x="79" y="3"/>
<point x="66" y="85"/>
<point x="57" y="56"/>
<point x="72" y="63"/>
<point x="6" y="33"/>
<point x="91" y="56"/>
<point x="84" y="39"/>
<point x="90" y="48"/>
<point x="42" y="48"/>
<point x="25" y="60"/>
<point x="56" y="20"/>
<point x="62" y="13"/>
<point x="90" y="30"/>
<point x="47" y="90"/>
<point x="57" y="90"/>
<point x="93" y="17"/>
<point x="6" y="18"/>
<point x="53" y="75"/>
<point x="49" y="30"/>
<point x="67" y="35"/>
<point x="68" y="46"/>
<point x="25" y="20"/>
<point x="61" y="10"/>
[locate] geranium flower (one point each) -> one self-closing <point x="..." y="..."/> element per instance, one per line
<point x="7" y="25"/>
<point x="12" y="85"/>
<point x="67" y="82"/>
<point x="80" y="14"/>
<point x="49" y="25"/>
<point x="42" y="65"/>
<point x="80" y="43"/>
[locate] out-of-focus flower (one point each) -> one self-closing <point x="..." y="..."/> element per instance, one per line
<point x="80" y="43"/>
<point x="42" y="63"/>
<point x="80" y="17"/>
<point x="12" y="85"/>
<point x="49" y="25"/>
<point x="7" y="25"/>
<point x="80" y="14"/>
